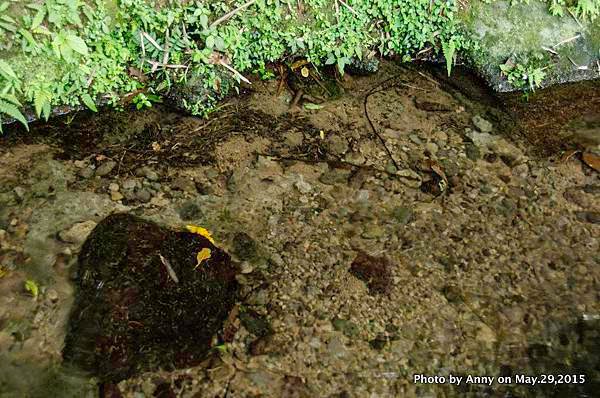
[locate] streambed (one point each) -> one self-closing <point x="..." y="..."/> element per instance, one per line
<point x="485" y="235"/>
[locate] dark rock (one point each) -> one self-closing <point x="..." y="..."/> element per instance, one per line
<point x="589" y="188"/>
<point x="244" y="246"/>
<point x="189" y="211"/>
<point x="142" y="302"/>
<point x="374" y="271"/>
<point x="193" y="96"/>
<point x="473" y="152"/>
<point x="362" y="67"/>
<point x="588" y="216"/>
<point x="349" y="328"/>
<point x="255" y="323"/>
<point x="402" y="214"/>
<point x="143" y="195"/>
<point x="86" y="172"/>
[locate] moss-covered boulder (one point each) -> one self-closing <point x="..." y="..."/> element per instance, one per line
<point x="148" y="297"/>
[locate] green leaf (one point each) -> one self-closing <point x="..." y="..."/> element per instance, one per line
<point x="14" y="112"/>
<point x="210" y="42"/>
<point x="7" y="71"/>
<point x="89" y="102"/>
<point x="39" y="18"/>
<point x="4" y="6"/>
<point x="10" y="98"/>
<point x="7" y="26"/>
<point x="32" y="287"/>
<point x="449" y="49"/>
<point x="77" y="44"/>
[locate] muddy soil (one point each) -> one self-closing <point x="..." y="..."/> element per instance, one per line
<point x="419" y="231"/>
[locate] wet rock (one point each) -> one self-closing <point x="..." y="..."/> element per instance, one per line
<point x="472" y="152"/>
<point x="294" y="139"/>
<point x="303" y="186"/>
<point x="592" y="217"/>
<point x="148" y="173"/>
<point x="255" y="323"/>
<point x="142" y="302"/>
<point x="374" y="271"/>
<point x="116" y="196"/>
<point x="190" y="211"/>
<point x="143" y="195"/>
<point x="244" y="246"/>
<point x="184" y="184"/>
<point x="105" y="168"/>
<point x="86" y="172"/>
<point x="482" y="125"/>
<point x="337" y="145"/>
<point x="403" y="215"/>
<point x="362" y="67"/>
<point x="130" y="184"/>
<point x="349" y="328"/>
<point x="335" y="176"/>
<point x="77" y="233"/>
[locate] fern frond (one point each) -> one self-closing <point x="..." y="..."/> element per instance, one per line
<point x="14" y="112"/>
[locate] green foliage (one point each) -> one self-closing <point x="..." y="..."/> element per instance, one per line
<point x="142" y="100"/>
<point x="78" y="51"/>
<point x="32" y="287"/>
<point x="528" y="74"/>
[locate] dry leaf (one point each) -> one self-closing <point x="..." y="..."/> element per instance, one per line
<point x="591" y="160"/>
<point x="155" y="146"/>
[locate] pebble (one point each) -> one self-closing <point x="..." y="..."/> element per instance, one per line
<point x="86" y="172"/>
<point x="116" y="196"/>
<point x="482" y="125"/>
<point x="105" y="168"/>
<point x="303" y="186"/>
<point x="355" y="158"/>
<point x="129" y="183"/>
<point x="143" y="195"/>
<point x="431" y="147"/>
<point x="184" y="184"/>
<point x="147" y="172"/>
<point x="294" y="139"/>
<point x="403" y="214"/>
<point x="20" y="192"/>
<point x="52" y="295"/>
<point x="113" y="187"/>
<point x="337" y="145"/>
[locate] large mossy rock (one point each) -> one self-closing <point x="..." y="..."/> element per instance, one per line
<point x="132" y="313"/>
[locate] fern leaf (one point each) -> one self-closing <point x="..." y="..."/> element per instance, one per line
<point x="10" y="98"/>
<point x="14" y="112"/>
<point x="7" y="71"/>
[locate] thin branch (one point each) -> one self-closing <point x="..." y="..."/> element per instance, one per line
<point x="231" y="13"/>
<point x="170" y="270"/>
<point x="348" y="7"/>
<point x="235" y="72"/>
<point x="152" y="41"/>
<point x="567" y="41"/>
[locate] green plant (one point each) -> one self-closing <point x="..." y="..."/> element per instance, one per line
<point x="142" y="100"/>
<point x="524" y="75"/>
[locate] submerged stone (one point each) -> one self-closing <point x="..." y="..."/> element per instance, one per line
<point x="143" y="300"/>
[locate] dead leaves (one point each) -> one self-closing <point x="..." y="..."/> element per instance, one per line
<point x="589" y="158"/>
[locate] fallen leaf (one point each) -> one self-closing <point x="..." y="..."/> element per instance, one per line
<point x="200" y="231"/>
<point x="202" y="255"/>
<point x="311" y="106"/>
<point x="304" y="71"/>
<point x="592" y="160"/>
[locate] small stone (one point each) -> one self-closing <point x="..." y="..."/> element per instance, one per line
<point x="335" y="176"/>
<point x="116" y="196"/>
<point x="303" y="186"/>
<point x="349" y="328"/>
<point x="431" y="147"/>
<point x="294" y="139"/>
<point x="337" y="145"/>
<point x="373" y="232"/>
<point x="472" y="152"/>
<point x="80" y="164"/>
<point x="403" y="215"/>
<point x="415" y="139"/>
<point x="391" y="168"/>
<point x="52" y="295"/>
<point x="78" y="232"/>
<point x="105" y="168"/>
<point x="184" y="184"/>
<point x="592" y="217"/>
<point x="189" y="211"/>
<point x="143" y="195"/>
<point x="482" y="125"/>
<point x="246" y="268"/>
<point x="20" y="192"/>
<point x="113" y="187"/>
<point x="485" y="334"/>
<point x="86" y="172"/>
<point x="354" y="158"/>
<point x="130" y="183"/>
<point x="521" y="170"/>
<point x="147" y="172"/>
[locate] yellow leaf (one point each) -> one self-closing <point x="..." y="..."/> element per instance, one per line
<point x="202" y="255"/>
<point x="200" y="231"/>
